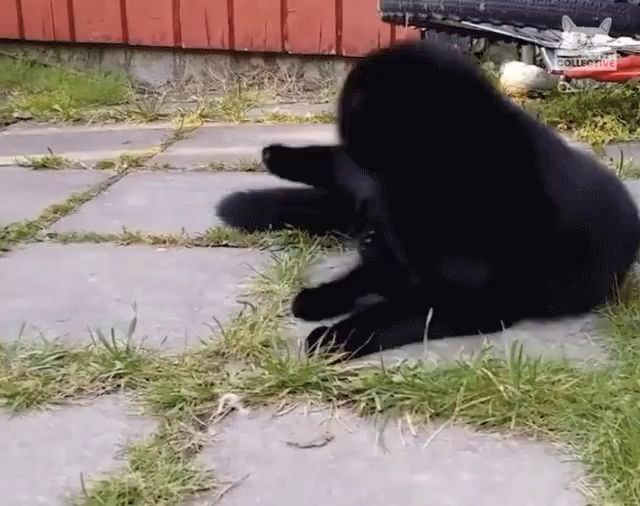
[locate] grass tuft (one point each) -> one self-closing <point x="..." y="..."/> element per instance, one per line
<point x="233" y="105"/>
<point x="33" y="375"/>
<point x="158" y="471"/>
<point x="597" y="115"/>
<point x="125" y="162"/>
<point x="256" y="330"/>
<point x="48" y="162"/>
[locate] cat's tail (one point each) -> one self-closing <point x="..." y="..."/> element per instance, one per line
<point x="314" y="211"/>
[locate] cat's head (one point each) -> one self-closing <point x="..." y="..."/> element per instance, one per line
<point x="428" y="80"/>
<point x="580" y="37"/>
<point x="569" y="26"/>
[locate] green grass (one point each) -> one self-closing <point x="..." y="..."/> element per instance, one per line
<point x="42" y="92"/>
<point x="33" y="90"/>
<point x="596" y="115"/>
<point x="230" y="107"/>
<point x="215" y="237"/>
<point x="159" y="471"/>
<point x="51" y="372"/>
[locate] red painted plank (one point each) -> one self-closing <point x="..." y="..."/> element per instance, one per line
<point x="99" y="21"/>
<point x="205" y="24"/>
<point x="46" y="20"/>
<point x="257" y="25"/>
<point x="362" y="29"/>
<point x="9" y="24"/>
<point x="400" y="33"/>
<point x="152" y="23"/>
<point x="310" y="27"/>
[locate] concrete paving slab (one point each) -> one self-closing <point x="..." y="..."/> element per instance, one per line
<point x="61" y="291"/>
<point x="458" y="466"/>
<point x="633" y="185"/>
<point x="45" y="454"/>
<point x="25" y="193"/>
<point x="80" y="143"/>
<point x="238" y="143"/>
<point x="573" y="338"/>
<point x="163" y="202"/>
<point x="630" y="151"/>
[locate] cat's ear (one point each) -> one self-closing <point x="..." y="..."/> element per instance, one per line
<point x="567" y="24"/>
<point x="605" y="26"/>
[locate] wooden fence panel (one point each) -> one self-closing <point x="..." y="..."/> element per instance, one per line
<point x="47" y="20"/>
<point x="310" y="27"/>
<point x="153" y="23"/>
<point x="205" y="23"/>
<point x="257" y="25"/>
<point x="10" y="20"/>
<point x="362" y="29"/>
<point x="322" y="27"/>
<point x="100" y="21"/>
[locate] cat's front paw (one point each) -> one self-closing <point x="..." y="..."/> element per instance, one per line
<point x="309" y="305"/>
<point x="315" y="304"/>
<point x="278" y="160"/>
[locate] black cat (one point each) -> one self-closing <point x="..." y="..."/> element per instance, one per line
<point x="470" y="207"/>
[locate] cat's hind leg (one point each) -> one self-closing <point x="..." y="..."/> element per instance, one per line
<point x="394" y="323"/>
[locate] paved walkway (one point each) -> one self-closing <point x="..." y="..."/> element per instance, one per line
<point x="59" y="290"/>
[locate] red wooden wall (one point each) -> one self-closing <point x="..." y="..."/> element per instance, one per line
<point x="343" y="27"/>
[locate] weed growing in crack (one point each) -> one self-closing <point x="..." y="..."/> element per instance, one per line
<point x="15" y="233"/>
<point x="49" y="162"/>
<point x="158" y="471"/>
<point x="217" y="237"/>
<point x="325" y="118"/>
<point x="242" y="165"/>
<point x="624" y="168"/>
<point x="234" y="105"/>
<point x="126" y="162"/>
